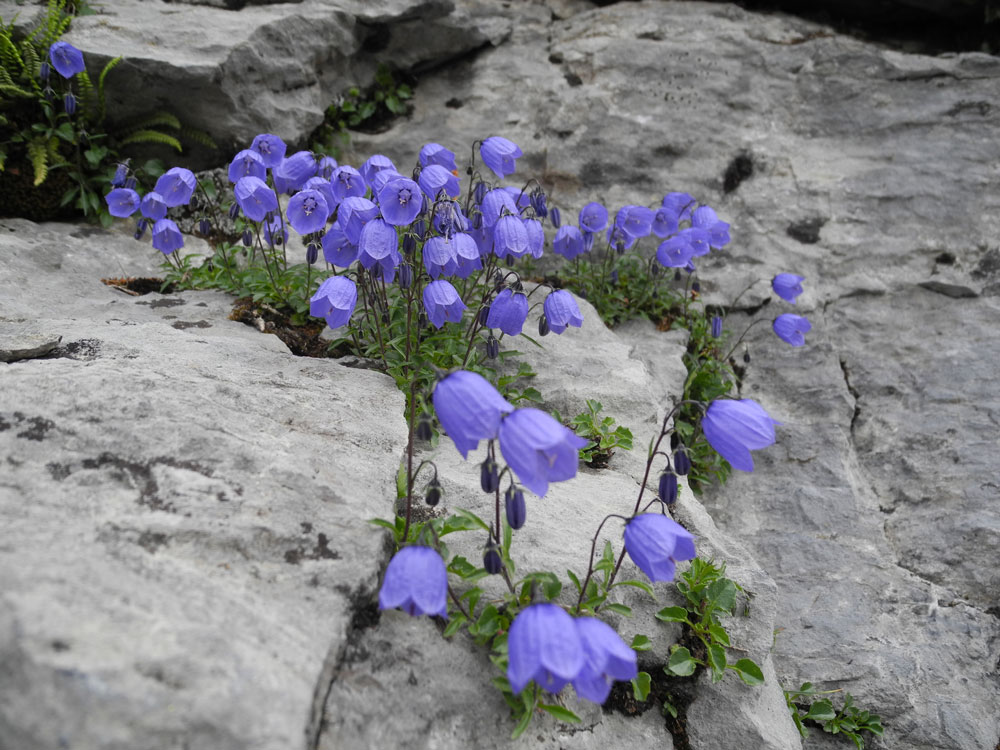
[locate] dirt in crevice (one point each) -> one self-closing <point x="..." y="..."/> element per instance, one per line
<point x="301" y="340"/>
<point x="138" y="286"/>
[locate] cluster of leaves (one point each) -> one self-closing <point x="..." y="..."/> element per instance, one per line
<point x="848" y="721"/>
<point x="362" y="109"/>
<point x="625" y="287"/>
<point x="603" y="436"/>
<point x="709" y="595"/>
<point x="45" y="138"/>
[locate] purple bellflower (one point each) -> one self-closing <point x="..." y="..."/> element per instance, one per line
<point x="347" y="182"/>
<point x="561" y="310"/>
<point x="675" y="252"/>
<point x="275" y="232"/>
<point x="354" y="213"/>
<point x="373" y="165"/>
<point x="381" y="178"/>
<point x="325" y="188"/>
<point x="334" y="300"/>
<point x="377" y="244"/>
<point x="307" y="211"/>
<point x="539" y="449"/>
<point x="508" y="312"/>
<point x="536" y="237"/>
<point x="66" y="59"/>
<point x="416" y="581"/>
<point x="152" y="206"/>
<point x="326" y="166"/>
<point x="735" y="427"/>
<point x="495" y="203"/>
<point x="271" y="149"/>
<point x="338" y="250"/>
<point x="500" y="155"/>
<point x="635" y="221"/>
<point x="400" y="201"/>
<point x="176" y="185"/>
<point x="568" y="242"/>
<point x="167" y="237"/>
<point x="788" y="286"/>
<point x="593" y="218"/>
<point x="255" y="198"/>
<point x="440" y="257"/>
<point x="469" y="409"/>
<point x="442" y="303"/>
<point x="435" y="153"/>
<point x="705" y="218"/>
<point x="543" y="645"/>
<point x="510" y="237"/>
<point x="467" y="254"/>
<point x="122" y="202"/>
<point x="434" y="178"/>
<point x="606" y="658"/>
<point x="792" y="328"/>
<point x="294" y="171"/>
<point x="678" y="207"/>
<point x="247" y="163"/>
<point x="656" y="544"/>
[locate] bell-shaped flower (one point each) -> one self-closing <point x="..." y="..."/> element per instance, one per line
<point x="307" y="211"/>
<point x="735" y="427"/>
<point x="664" y="223"/>
<point x="606" y="658"/>
<point x="543" y="645"/>
<point x="656" y="544"/>
<point x="635" y="221"/>
<point x="536" y="237"/>
<point x="122" y="202"/>
<point x="675" y="252"/>
<point x="400" y="201"/>
<point x="495" y="203"/>
<point x="176" y="185"/>
<point x="255" y="198"/>
<point x="416" y="581"/>
<point x="593" y="218"/>
<point x="698" y="239"/>
<point x="678" y="207"/>
<point x="510" y="237"/>
<point x="382" y="178"/>
<point x="325" y="189"/>
<point x="483" y="238"/>
<point x="521" y="199"/>
<point x="440" y="258"/>
<point x="469" y="408"/>
<point x="271" y="149"/>
<point x="435" y="153"/>
<point x="247" y="163"/>
<point x="568" y="242"/>
<point x="293" y="172"/>
<point x="515" y="508"/>
<point x="508" y="312"/>
<point x="792" y="329"/>
<point x="561" y="310"/>
<point x="466" y="254"/>
<point x="373" y="165"/>
<point x="338" y="250"/>
<point x="334" y="300"/>
<point x="326" y="166"/>
<point x="66" y="59"/>
<point x="788" y="286"/>
<point x="347" y="182"/>
<point x="152" y="206"/>
<point x="539" y="449"/>
<point x="442" y="303"/>
<point x="448" y="217"/>
<point x="500" y="155"/>
<point x="274" y="231"/>
<point x="167" y="237"/>
<point x="434" y="178"/>
<point x="354" y="214"/>
<point x="377" y="244"/>
<point x="717" y="230"/>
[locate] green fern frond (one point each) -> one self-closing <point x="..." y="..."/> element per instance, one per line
<point x="14" y="91"/>
<point x="154" y="120"/>
<point x="87" y="98"/>
<point x="10" y="56"/>
<point x="38" y="155"/>
<point x="100" y="84"/>
<point x="152" y="136"/>
<point x="199" y="136"/>
<point x="53" y="150"/>
<point x="3" y="158"/>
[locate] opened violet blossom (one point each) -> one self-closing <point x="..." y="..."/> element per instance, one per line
<point x="415" y="581"/>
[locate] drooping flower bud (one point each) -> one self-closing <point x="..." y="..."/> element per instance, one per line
<point x="409" y="243"/>
<point x="492" y="347"/>
<point x="247" y="238"/>
<point x="405" y="276"/>
<point x="492" y="560"/>
<point x="484" y="314"/>
<point x="695" y="286"/>
<point x="716" y="326"/>
<point x="674" y="441"/>
<point x="614" y="277"/>
<point x="205" y="227"/>
<point x="121" y="173"/>
<point x="140" y="229"/>
<point x="515" y="508"/>
<point x="543" y="326"/>
<point x="234" y="210"/>
<point x="44" y="71"/>
<point x="312" y="253"/>
<point x="423" y="430"/>
<point x="682" y="462"/>
<point x="488" y="477"/>
<point x="194" y="203"/>
<point x="432" y="495"/>
<point x="554" y="217"/>
<point x="667" y="491"/>
<point x="746" y="357"/>
<point x="130" y="183"/>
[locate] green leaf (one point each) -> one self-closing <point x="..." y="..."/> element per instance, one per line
<point x="722" y="594"/>
<point x="669" y="708"/>
<point x="576" y="581"/>
<point x="454" y="624"/>
<point x="719" y="634"/>
<point x="717" y="661"/>
<point x="636" y="584"/>
<point x="822" y="710"/>
<point x="560" y="712"/>
<point x="641" y="643"/>
<point x="748" y="671"/>
<point x="672" y="614"/>
<point x="681" y="662"/>
<point x="620" y="609"/>
<point x="641" y="685"/>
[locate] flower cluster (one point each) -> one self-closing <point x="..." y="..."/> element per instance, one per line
<point x="788" y="327"/>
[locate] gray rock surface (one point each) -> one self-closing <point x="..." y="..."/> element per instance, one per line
<point x="867" y="171"/>
<point x="184" y="506"/>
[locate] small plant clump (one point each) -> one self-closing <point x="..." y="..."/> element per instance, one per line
<point x="849" y="721"/>
<point x="427" y="279"/>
